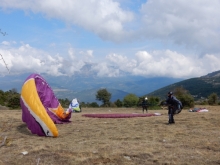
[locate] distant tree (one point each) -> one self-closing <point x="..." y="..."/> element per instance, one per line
<point x="153" y="100"/>
<point x="118" y="103"/>
<point x="14" y="90"/>
<point x="104" y="96"/>
<point x="213" y="99"/>
<point x="14" y="102"/>
<point x="130" y="100"/>
<point x="64" y="102"/>
<point x="83" y="104"/>
<point x="184" y="96"/>
<point x="113" y="105"/>
<point x="94" y="105"/>
<point x="10" y="98"/>
<point x="2" y="99"/>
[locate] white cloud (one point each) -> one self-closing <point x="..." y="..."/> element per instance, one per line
<point x="104" y="70"/>
<point x="186" y="27"/>
<point x="122" y="62"/>
<point x="105" y="18"/>
<point x="155" y="63"/>
<point x="6" y="43"/>
<point x="165" y="63"/>
<point x="28" y="59"/>
<point x="195" y="24"/>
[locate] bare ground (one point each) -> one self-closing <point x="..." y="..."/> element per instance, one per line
<point x="194" y="139"/>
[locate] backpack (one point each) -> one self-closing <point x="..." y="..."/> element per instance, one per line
<point x="179" y="105"/>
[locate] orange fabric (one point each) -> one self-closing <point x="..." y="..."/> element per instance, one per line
<point x="60" y="112"/>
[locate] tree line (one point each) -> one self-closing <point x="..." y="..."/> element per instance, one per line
<point x="11" y="99"/>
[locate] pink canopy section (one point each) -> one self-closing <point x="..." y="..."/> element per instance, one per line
<point x="121" y="115"/>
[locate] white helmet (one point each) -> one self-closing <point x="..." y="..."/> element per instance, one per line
<point x="145" y="98"/>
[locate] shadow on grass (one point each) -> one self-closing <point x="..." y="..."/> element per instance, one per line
<point x="24" y="130"/>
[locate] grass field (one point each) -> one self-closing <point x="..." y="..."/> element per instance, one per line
<point x="194" y="139"/>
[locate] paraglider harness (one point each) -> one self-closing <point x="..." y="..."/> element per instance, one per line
<point x="174" y="104"/>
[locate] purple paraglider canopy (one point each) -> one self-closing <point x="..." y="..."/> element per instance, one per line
<point x="40" y="107"/>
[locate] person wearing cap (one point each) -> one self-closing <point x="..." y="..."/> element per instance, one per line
<point x="174" y="106"/>
<point x="145" y="104"/>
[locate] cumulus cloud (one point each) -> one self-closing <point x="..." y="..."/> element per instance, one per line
<point x="104" y="70"/>
<point x="156" y="63"/>
<point x="28" y="59"/>
<point x="5" y="43"/>
<point x="193" y="28"/>
<point x="165" y="63"/>
<point x="105" y="18"/>
<point x="194" y="25"/>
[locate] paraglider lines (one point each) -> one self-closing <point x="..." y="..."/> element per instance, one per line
<point x="5" y="63"/>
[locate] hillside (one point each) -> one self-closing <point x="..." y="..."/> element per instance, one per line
<point x="200" y="87"/>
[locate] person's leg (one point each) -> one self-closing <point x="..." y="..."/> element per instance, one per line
<point x="171" y="118"/>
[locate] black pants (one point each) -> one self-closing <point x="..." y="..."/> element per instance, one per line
<point x="171" y="114"/>
<point x="144" y="108"/>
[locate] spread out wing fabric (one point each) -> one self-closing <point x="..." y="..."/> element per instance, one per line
<point x="40" y="108"/>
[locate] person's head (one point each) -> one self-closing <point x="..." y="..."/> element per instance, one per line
<point x="145" y="98"/>
<point x="169" y="94"/>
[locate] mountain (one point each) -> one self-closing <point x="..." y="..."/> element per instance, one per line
<point x="84" y="86"/>
<point x="200" y="87"/>
<point x="90" y="95"/>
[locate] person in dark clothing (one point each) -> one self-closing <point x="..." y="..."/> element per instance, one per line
<point x="174" y="106"/>
<point x="144" y="104"/>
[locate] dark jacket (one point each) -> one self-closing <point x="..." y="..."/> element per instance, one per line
<point x="174" y="104"/>
<point x="144" y="103"/>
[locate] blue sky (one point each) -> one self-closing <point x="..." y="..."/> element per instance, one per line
<point x="147" y="38"/>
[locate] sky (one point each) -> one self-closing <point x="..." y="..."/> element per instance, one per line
<point x="150" y="38"/>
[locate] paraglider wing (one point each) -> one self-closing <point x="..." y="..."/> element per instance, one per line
<point x="34" y="113"/>
<point x="40" y="108"/>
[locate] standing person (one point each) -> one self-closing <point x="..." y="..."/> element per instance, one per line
<point x="144" y="104"/>
<point x="174" y="106"/>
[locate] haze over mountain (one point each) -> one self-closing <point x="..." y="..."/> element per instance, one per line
<point x="85" y="86"/>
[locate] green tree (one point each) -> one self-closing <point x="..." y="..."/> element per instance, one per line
<point x="83" y="104"/>
<point x="213" y="99"/>
<point x="118" y="103"/>
<point x="153" y="100"/>
<point x="104" y="96"/>
<point x="14" y="102"/>
<point x="184" y="96"/>
<point x="64" y="102"/>
<point x="94" y="104"/>
<point x="130" y="100"/>
<point x="2" y="99"/>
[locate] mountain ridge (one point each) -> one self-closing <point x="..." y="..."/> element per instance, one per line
<point x="79" y="86"/>
<point x="199" y="87"/>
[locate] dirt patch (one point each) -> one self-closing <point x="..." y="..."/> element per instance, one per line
<point x="193" y="139"/>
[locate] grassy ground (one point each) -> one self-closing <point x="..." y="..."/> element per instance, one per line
<point x="194" y="139"/>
